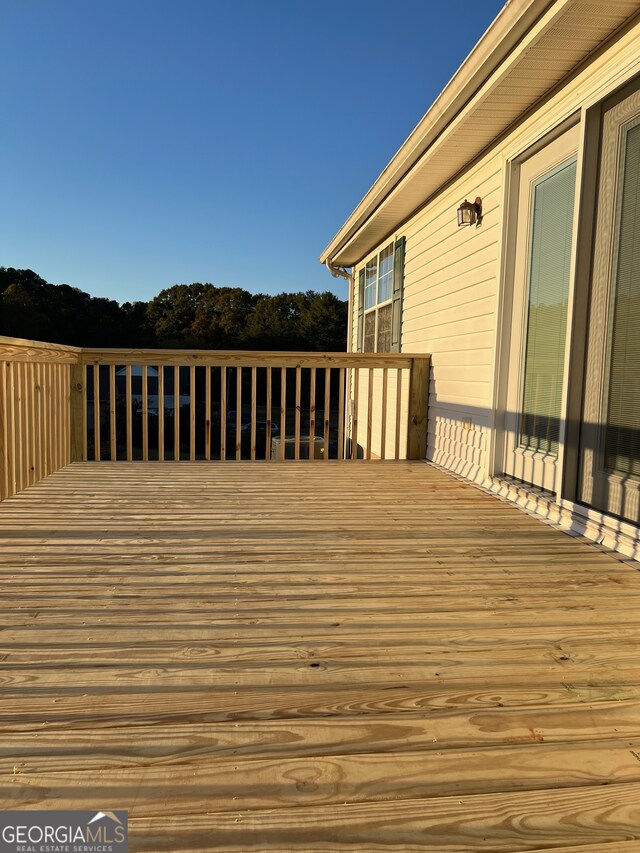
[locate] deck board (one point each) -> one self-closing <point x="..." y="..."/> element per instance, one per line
<point x="315" y="657"/>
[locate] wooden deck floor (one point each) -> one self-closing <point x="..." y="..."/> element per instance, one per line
<point x="315" y="657"/>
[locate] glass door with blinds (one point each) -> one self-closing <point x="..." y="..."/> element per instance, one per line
<point x="533" y="420"/>
<point x="610" y="436"/>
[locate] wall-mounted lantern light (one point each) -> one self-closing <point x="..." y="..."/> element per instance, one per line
<point x="470" y="213"/>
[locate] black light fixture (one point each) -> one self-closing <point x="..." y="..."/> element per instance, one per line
<point x="470" y="212"/>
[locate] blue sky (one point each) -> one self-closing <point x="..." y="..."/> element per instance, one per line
<point x="152" y="142"/>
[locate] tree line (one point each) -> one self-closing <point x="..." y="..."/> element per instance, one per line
<point x="190" y="316"/>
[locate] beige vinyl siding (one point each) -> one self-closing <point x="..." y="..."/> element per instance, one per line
<point x="455" y="447"/>
<point x="452" y="281"/>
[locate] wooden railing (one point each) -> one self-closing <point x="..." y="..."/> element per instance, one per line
<point x="188" y="405"/>
<point x="40" y="392"/>
<point x="63" y="404"/>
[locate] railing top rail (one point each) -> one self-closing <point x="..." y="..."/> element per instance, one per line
<point x="21" y="349"/>
<point x="249" y="358"/>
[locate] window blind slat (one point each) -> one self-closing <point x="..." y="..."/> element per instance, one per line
<point x="622" y="435"/>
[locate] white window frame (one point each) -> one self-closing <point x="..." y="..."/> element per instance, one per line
<point x="377" y="305"/>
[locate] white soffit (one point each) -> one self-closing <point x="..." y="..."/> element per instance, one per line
<point x="563" y="36"/>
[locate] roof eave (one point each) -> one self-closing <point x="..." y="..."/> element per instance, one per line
<point x="504" y="33"/>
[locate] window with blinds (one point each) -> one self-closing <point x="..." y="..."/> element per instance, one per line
<point x="545" y="337"/>
<point x="622" y="441"/>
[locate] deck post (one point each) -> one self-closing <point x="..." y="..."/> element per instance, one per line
<point x="78" y="410"/>
<point x="417" y="414"/>
<point x="5" y="487"/>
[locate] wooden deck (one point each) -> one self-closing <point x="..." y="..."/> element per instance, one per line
<point x="315" y="657"/>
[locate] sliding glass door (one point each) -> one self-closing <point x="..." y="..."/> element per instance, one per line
<point x="610" y="437"/>
<point x="544" y="241"/>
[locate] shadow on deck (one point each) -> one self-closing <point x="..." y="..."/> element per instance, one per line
<point x="315" y="657"/>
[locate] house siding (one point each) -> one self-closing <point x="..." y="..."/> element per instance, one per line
<point x="451" y="277"/>
<point x="452" y="284"/>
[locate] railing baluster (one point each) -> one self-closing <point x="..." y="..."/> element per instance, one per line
<point x="4" y="434"/>
<point x="57" y="416"/>
<point x="40" y="425"/>
<point x="129" y="412"/>
<point x="145" y="413"/>
<point x="62" y="395"/>
<point x="53" y="413"/>
<point x="223" y="414"/>
<point x="20" y="426"/>
<point x="40" y="434"/>
<point x="296" y="452"/>
<point x="41" y="437"/>
<point x="268" y="402"/>
<point x="283" y="411"/>
<point x="41" y="429"/>
<point x="383" y="415"/>
<point x="83" y="427"/>
<point x="15" y="426"/>
<point x="176" y="413"/>
<point x="6" y="437"/>
<point x="7" y="431"/>
<point x="33" y="443"/>
<point x="327" y="410"/>
<point x="254" y="391"/>
<point x="14" y="421"/>
<point x="96" y="412"/>
<point x="192" y="413"/>
<point x="27" y="436"/>
<point x="13" y="447"/>
<point x="312" y="415"/>
<point x="46" y="419"/>
<point x="341" y="384"/>
<point x="66" y="401"/>
<point x="49" y="415"/>
<point x="354" y="430"/>
<point x="398" y="410"/>
<point x="55" y="459"/>
<point x="161" y="413"/>
<point x="17" y="407"/>
<point x="112" y="411"/>
<point x="46" y="451"/>
<point x="66" y="408"/>
<point x="207" y="413"/>
<point x="28" y="439"/>
<point x="238" y="413"/>
<point x="369" y="411"/>
<point x="37" y="423"/>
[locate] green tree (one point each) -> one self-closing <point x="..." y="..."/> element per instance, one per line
<point x="221" y="316"/>
<point x="19" y="316"/>
<point x="323" y="322"/>
<point x="185" y="315"/>
<point x="171" y="314"/>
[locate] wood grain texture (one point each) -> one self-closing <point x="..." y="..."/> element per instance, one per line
<point x="315" y="657"/>
<point x="237" y="358"/>
<point x="20" y="349"/>
<point x="40" y="427"/>
<point x="490" y="822"/>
